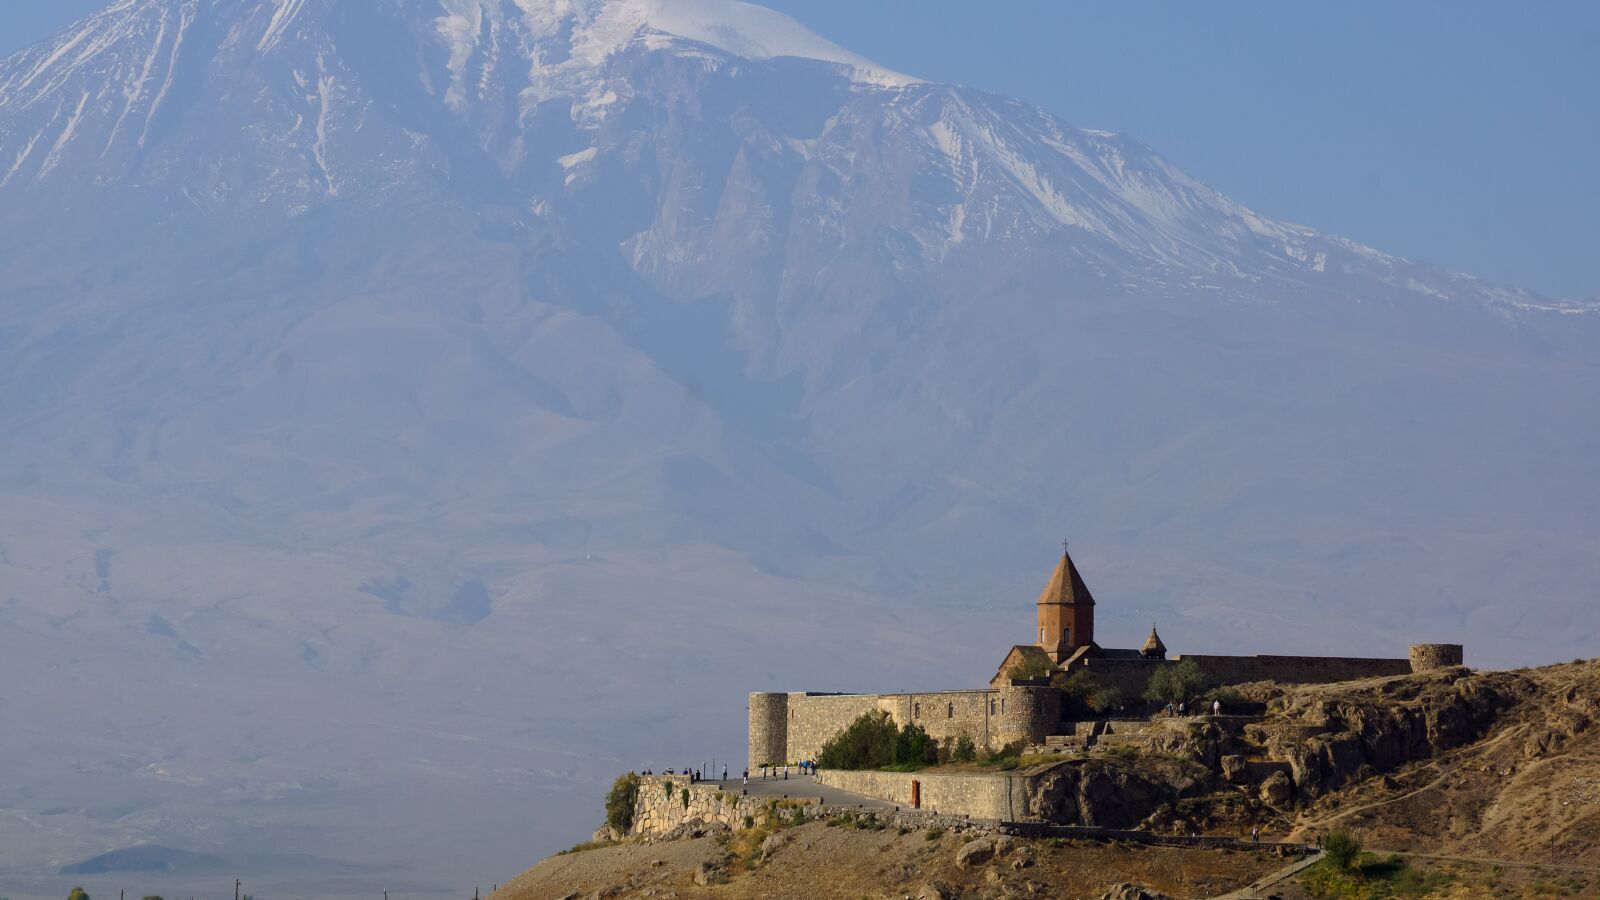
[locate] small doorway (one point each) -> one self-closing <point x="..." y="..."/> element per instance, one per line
<point x="916" y="794"/>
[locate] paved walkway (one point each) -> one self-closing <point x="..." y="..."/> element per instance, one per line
<point x="799" y="787"/>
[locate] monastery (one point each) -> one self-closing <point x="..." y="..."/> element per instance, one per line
<point x="1021" y="706"/>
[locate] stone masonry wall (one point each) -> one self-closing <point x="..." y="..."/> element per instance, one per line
<point x="1296" y="669"/>
<point x="660" y="809"/>
<point x="814" y="718"/>
<point x="1427" y="657"/>
<point x="1001" y="798"/>
<point x="990" y="718"/>
<point x="769" y="729"/>
<point x="1132" y="676"/>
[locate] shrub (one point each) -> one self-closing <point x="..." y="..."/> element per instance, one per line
<point x="78" y="893"/>
<point x="933" y="834"/>
<point x="1176" y="684"/>
<point x="619" y="804"/>
<point x="1226" y="695"/>
<point x="749" y="821"/>
<point x="1342" y="849"/>
<point x="965" y="750"/>
<point x="873" y="742"/>
<point x="685" y="798"/>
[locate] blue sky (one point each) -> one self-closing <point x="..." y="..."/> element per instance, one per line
<point x="1466" y="134"/>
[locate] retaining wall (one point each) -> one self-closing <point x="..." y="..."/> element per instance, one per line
<point x="656" y="812"/>
<point x="1000" y="798"/>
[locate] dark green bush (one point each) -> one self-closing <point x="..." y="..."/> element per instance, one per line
<point x="873" y="742"/>
<point x="619" y="804"/>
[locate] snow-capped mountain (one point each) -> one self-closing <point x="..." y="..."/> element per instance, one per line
<point x="456" y="397"/>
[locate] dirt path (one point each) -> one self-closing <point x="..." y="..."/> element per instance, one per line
<point x="1488" y="861"/>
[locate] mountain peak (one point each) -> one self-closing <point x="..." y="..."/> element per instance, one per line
<point x="600" y="28"/>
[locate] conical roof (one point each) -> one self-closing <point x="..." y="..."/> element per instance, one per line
<point x="1066" y="585"/>
<point x="1152" y="644"/>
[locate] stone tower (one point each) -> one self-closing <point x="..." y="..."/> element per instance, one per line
<point x="1066" y="612"/>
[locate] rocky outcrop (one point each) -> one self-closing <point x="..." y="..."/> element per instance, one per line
<point x="1114" y="793"/>
<point x="1331" y="738"/>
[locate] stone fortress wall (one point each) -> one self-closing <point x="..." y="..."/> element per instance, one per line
<point x="787" y="728"/>
<point x="1132" y="676"/>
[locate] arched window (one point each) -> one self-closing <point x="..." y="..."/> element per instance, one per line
<point x="949" y="710"/>
<point x="1002" y="704"/>
<point x="991" y="706"/>
<point x="916" y="710"/>
<point x="1066" y="636"/>
<point x="1041" y="635"/>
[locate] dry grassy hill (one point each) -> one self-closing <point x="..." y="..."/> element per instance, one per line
<point x="1527" y="790"/>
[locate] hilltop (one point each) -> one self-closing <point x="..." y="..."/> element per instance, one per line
<point x="1485" y="781"/>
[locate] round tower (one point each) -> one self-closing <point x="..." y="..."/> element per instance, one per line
<point x="1427" y="657"/>
<point x="769" y="729"/>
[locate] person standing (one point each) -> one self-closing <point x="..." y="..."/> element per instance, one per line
<point x="1216" y="707"/>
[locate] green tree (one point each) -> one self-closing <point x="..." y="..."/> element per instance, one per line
<point x="1106" y="699"/>
<point x="873" y="742"/>
<point x="965" y="750"/>
<point x="620" y="801"/>
<point x="1176" y="684"/>
<point x="1078" y="691"/>
<point x="1342" y="849"/>
<point x="78" y="893"/>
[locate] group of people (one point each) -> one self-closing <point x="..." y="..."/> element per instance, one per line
<point x="694" y="774"/>
<point x="1181" y="708"/>
<point x="805" y="766"/>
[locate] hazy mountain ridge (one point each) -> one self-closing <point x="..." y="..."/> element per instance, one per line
<point x="459" y="369"/>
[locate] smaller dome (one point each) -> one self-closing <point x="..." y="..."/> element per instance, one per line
<point x="1153" y="648"/>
